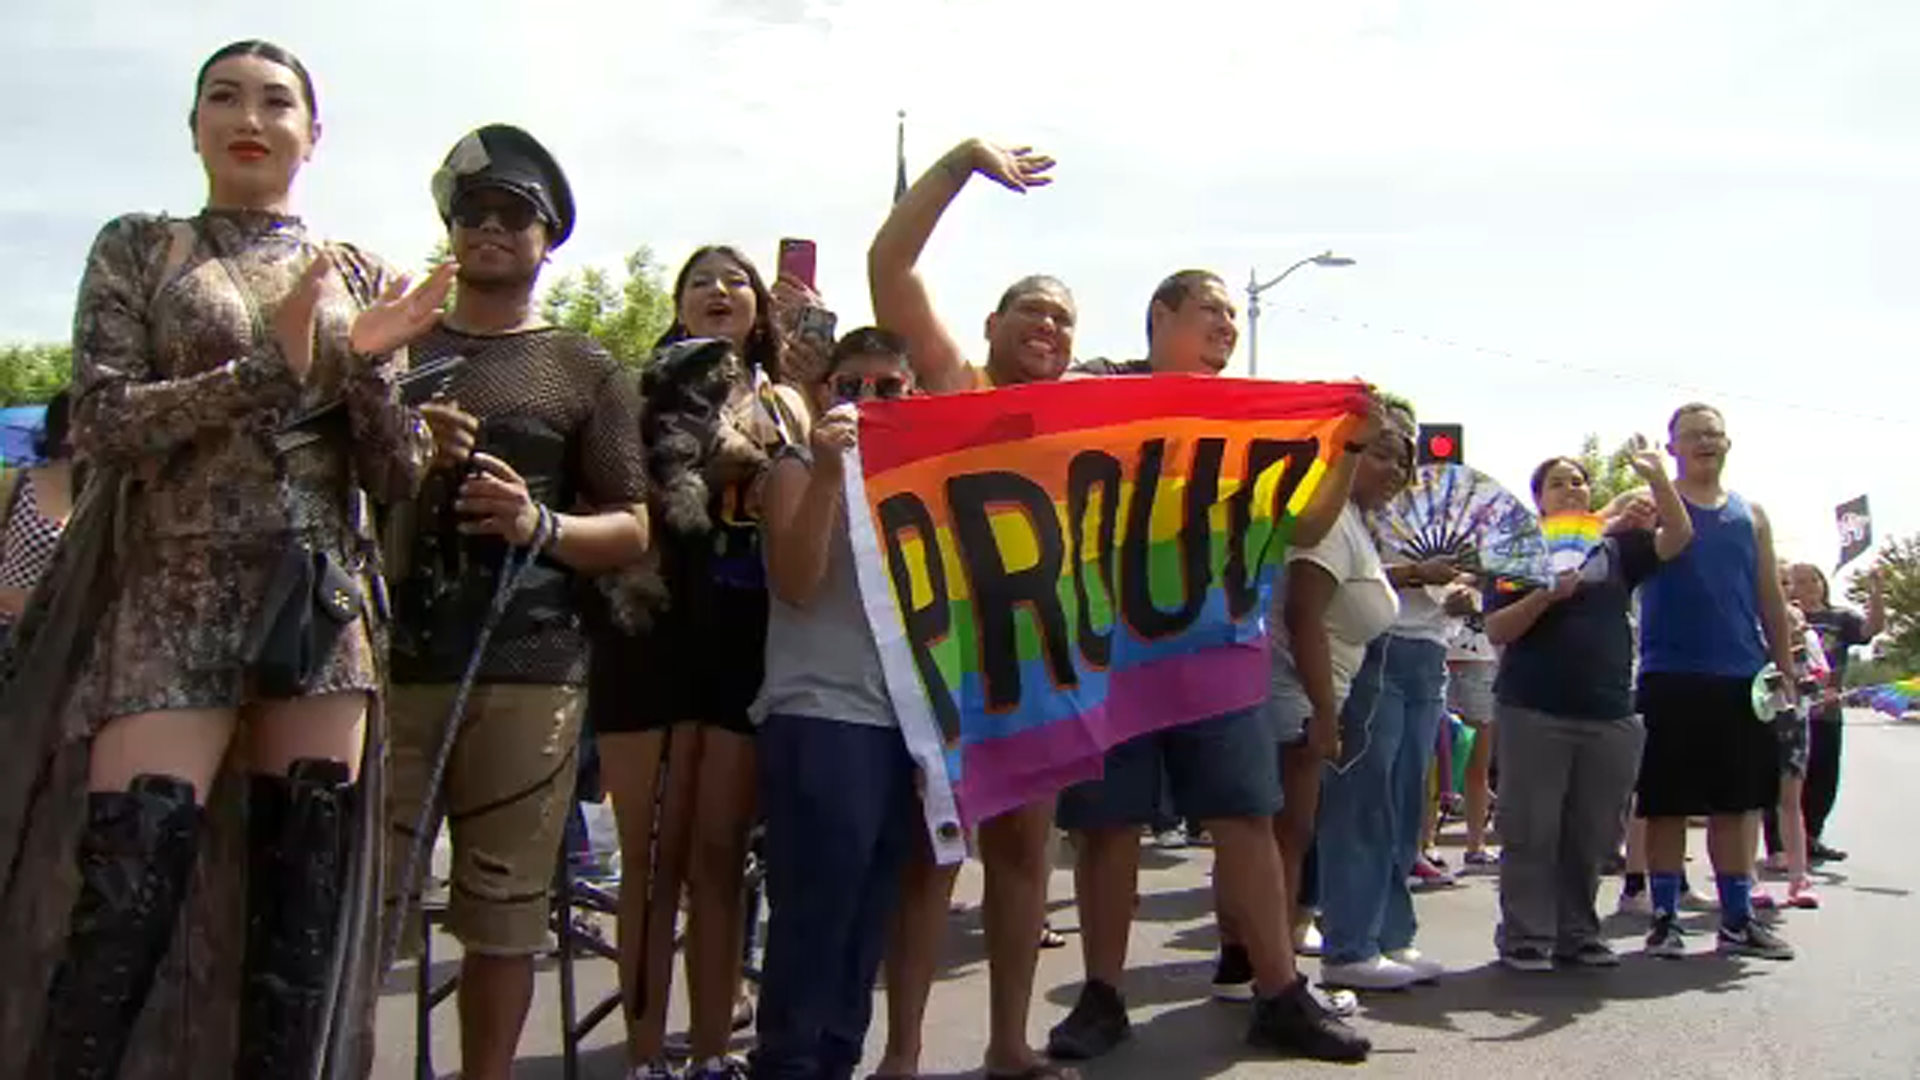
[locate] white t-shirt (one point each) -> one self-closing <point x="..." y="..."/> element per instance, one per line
<point x="1421" y="616"/>
<point x="1364" y="604"/>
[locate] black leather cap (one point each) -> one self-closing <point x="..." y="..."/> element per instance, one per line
<point x="505" y="157"/>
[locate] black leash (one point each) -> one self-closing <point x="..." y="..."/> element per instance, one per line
<point x="427" y="825"/>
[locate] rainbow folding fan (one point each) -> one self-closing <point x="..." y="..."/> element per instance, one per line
<point x="1570" y="539"/>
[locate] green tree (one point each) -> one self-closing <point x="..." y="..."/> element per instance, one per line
<point x="1898" y="565"/>
<point x="625" y="316"/>
<point x="1609" y="474"/>
<point x="30" y="374"/>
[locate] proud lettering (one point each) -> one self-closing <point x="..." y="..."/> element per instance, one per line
<point x="1000" y="583"/>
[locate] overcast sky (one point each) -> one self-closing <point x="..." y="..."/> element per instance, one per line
<point x="1564" y="220"/>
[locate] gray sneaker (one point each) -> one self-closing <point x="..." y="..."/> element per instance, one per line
<point x="1592" y="954"/>
<point x="1754" y="939"/>
<point x="1665" y="939"/>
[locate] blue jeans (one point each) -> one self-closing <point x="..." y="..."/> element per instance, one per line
<point x="841" y="812"/>
<point x="1372" y="800"/>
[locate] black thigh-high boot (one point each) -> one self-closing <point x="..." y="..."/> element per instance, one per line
<point x="298" y="827"/>
<point x="136" y="855"/>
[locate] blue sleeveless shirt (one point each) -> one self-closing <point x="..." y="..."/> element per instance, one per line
<point x="1701" y="613"/>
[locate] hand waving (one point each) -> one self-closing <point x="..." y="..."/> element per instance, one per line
<point x="1015" y="168"/>
<point x="400" y="315"/>
<point x="1644" y="459"/>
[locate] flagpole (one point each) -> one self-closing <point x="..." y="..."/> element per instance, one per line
<point x="900" y="157"/>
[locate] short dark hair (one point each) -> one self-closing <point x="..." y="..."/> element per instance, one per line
<point x="866" y="341"/>
<point x="1688" y="409"/>
<point x="1032" y="283"/>
<point x="265" y="50"/>
<point x="1174" y="291"/>
<point x="51" y="442"/>
<point x="1540" y="471"/>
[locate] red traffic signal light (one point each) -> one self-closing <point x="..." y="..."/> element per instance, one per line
<point x="1441" y="444"/>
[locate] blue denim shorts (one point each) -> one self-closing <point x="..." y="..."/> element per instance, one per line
<point x="1225" y="767"/>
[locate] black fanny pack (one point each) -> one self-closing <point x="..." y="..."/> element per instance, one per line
<point x="310" y="601"/>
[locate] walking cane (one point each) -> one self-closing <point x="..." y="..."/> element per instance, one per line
<point x="427" y="826"/>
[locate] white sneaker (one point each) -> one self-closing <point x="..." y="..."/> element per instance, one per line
<point x="1341" y="1003"/>
<point x="1378" y="973"/>
<point x="1428" y="970"/>
<point x="1640" y="903"/>
<point x="1308" y="941"/>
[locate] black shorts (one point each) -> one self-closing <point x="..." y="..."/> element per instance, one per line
<point x="698" y="664"/>
<point x="1706" y="752"/>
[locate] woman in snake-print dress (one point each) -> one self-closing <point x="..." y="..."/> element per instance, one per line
<point x="195" y="343"/>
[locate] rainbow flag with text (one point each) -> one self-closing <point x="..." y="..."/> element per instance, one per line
<point x="1050" y="570"/>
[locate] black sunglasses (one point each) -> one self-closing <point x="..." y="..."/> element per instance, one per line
<point x="861" y="387"/>
<point x="513" y="214"/>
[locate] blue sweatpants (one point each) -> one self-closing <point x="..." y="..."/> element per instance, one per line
<point x="841" y="811"/>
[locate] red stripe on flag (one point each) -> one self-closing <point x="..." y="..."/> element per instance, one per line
<point x="896" y="433"/>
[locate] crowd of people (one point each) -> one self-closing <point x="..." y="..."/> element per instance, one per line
<point x="330" y="556"/>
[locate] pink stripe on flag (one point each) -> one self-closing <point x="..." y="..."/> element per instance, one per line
<point x="1005" y="774"/>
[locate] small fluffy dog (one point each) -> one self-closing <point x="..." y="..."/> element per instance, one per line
<point x="699" y="429"/>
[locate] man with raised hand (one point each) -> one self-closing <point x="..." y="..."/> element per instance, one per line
<point x="1029" y="339"/>
<point x="1029" y="334"/>
<point x="1708" y="624"/>
<point x="1224" y="772"/>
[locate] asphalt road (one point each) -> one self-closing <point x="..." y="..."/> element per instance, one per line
<point x="1848" y="1007"/>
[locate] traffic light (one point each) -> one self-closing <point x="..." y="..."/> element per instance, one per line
<point x="1441" y="444"/>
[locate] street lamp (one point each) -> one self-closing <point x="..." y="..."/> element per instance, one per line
<point x="1255" y="287"/>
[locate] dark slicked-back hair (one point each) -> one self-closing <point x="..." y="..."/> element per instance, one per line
<point x="1032" y="283"/>
<point x="265" y="50"/>
<point x="51" y="443"/>
<point x="1691" y="407"/>
<point x="866" y="341"/>
<point x="1174" y="291"/>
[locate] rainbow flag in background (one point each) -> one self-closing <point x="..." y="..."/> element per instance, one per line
<point x="1051" y="570"/>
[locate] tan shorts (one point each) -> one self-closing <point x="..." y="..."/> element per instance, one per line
<point x="508" y="790"/>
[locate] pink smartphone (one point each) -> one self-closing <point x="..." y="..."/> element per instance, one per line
<point x="797" y="260"/>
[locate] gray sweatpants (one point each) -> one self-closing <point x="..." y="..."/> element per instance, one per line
<point x="1562" y="784"/>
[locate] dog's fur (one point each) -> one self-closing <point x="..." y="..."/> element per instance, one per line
<point x="695" y="425"/>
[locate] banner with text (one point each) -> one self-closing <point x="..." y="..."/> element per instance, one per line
<point x="1050" y="570"/>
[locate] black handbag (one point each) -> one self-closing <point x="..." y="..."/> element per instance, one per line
<point x="310" y="598"/>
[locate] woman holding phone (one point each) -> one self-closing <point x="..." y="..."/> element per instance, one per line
<point x="195" y="342"/>
<point x="674" y="701"/>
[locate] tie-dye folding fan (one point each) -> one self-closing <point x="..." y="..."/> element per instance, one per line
<point x="1457" y="513"/>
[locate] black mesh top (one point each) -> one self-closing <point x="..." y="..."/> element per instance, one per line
<point x="557" y="408"/>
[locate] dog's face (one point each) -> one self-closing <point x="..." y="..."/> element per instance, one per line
<point x="690" y="369"/>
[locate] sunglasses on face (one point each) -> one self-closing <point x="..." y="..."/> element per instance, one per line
<point x="862" y="387"/>
<point x="512" y="214"/>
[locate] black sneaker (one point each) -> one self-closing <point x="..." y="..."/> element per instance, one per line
<point x="1821" y="853"/>
<point x="1233" y="975"/>
<point x="1665" y="939"/>
<point x="1293" y="1022"/>
<point x="1754" y="939"/>
<point x="1097" y="1024"/>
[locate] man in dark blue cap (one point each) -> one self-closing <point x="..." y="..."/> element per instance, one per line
<point x="536" y="435"/>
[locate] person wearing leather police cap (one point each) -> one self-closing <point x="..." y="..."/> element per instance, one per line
<point x="505" y="158"/>
<point x="537" y="446"/>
